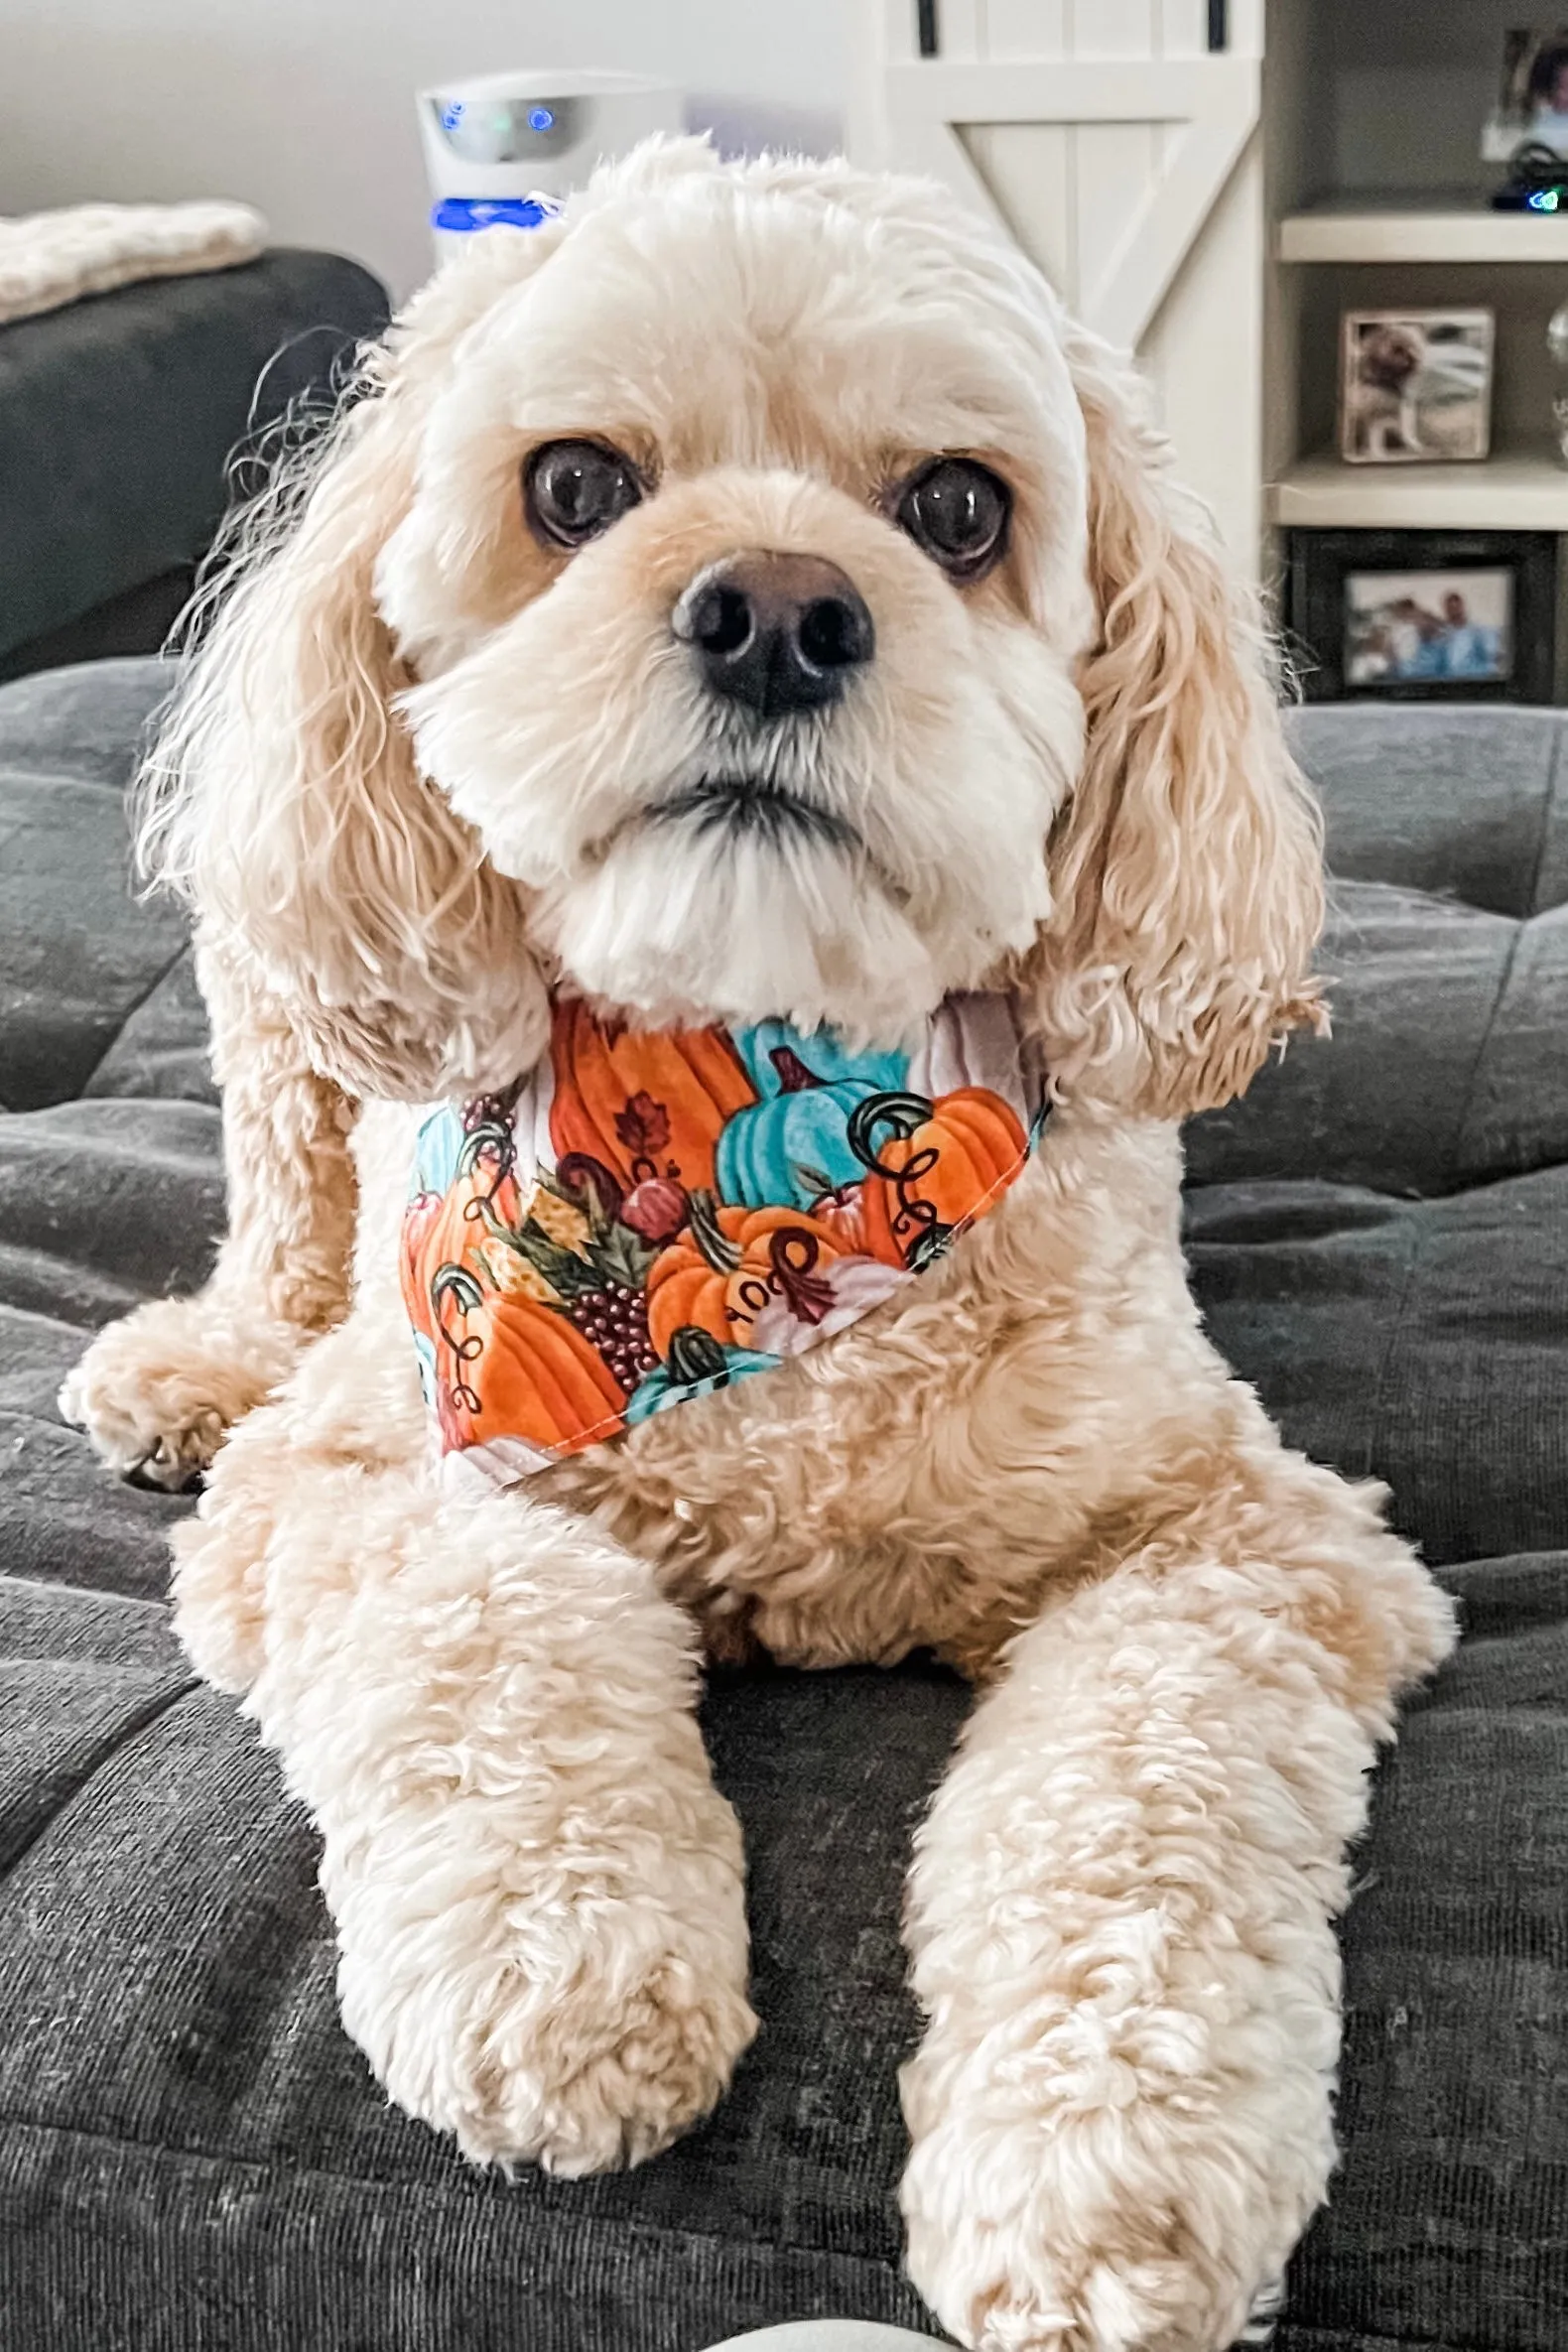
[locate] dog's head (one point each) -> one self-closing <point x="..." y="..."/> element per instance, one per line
<point x="1390" y="355"/>
<point x="746" y="595"/>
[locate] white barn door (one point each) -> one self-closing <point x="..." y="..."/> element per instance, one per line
<point x="1117" y="141"/>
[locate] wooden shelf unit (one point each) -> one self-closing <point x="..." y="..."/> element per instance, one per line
<point x="1517" y="490"/>
<point x="1379" y="195"/>
<point x="1202" y="187"/>
<point x="1405" y="228"/>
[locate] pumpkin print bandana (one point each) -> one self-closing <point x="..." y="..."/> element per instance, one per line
<point x="651" y="1216"/>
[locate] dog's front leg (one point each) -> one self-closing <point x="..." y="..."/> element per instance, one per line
<point x="1120" y="1918"/>
<point x="489" y="1711"/>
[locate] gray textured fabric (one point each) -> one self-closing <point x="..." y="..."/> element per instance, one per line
<point x="191" y="2155"/>
<point x="1425" y="1342"/>
<point x="1446" y="953"/>
<point x="1463" y="804"/>
<point x="822" y="2335"/>
<point x="118" y="415"/>
<point x="161" y="1049"/>
<point x="100" y="1205"/>
<point x="77" y="953"/>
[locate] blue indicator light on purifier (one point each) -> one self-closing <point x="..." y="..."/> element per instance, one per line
<point x="541" y="119"/>
<point x="1543" y="199"/>
<point x="459" y="215"/>
<point x="452" y="114"/>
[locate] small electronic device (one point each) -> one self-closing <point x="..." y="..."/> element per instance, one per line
<point x="496" y="144"/>
<point x="1537" y="182"/>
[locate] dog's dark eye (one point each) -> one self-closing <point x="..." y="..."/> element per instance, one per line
<point x="575" y="489"/>
<point x="957" y="511"/>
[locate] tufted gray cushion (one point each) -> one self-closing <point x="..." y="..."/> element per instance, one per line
<point x="1448" y="840"/>
<point x="118" y="415"/>
<point x="190" y="2152"/>
<point x="77" y="956"/>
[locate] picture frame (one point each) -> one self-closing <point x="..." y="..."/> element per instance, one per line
<point x="1424" y="615"/>
<point x="1415" y="386"/>
<point x="1532" y="96"/>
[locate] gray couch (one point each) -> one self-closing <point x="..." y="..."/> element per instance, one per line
<point x="119" y="417"/>
<point x="193" y="2158"/>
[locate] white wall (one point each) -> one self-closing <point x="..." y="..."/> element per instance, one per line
<point x="1405" y="89"/>
<point x="304" y="108"/>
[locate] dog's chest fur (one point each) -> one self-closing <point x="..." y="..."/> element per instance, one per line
<point x="915" y="1481"/>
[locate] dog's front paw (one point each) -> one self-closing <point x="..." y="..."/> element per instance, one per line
<point x="1144" y="2225"/>
<point x="580" y="2040"/>
<point x="159" y="1391"/>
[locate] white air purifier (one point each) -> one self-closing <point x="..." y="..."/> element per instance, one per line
<point x="504" y="147"/>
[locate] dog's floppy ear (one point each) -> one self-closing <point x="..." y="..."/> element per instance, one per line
<point x="282" y="797"/>
<point x="1186" y="869"/>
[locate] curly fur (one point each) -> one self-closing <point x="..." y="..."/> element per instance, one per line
<point x="412" y="784"/>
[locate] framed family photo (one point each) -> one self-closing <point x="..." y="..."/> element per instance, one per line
<point x="1532" y="101"/>
<point x="1425" y="615"/>
<point x="1415" y="386"/>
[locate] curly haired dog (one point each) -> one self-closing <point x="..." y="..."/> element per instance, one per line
<point x="435" y="762"/>
<point x="1381" y="418"/>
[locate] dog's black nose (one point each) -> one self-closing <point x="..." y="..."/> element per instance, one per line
<point x="776" y="632"/>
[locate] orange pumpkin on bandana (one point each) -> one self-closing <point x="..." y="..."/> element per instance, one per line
<point x="571" y="1266"/>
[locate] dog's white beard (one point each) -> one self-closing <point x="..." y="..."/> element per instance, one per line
<point x="708" y="924"/>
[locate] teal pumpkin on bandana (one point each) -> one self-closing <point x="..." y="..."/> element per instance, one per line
<point x="793" y="1144"/>
<point x="697" y="1365"/>
<point x="648" y="1217"/>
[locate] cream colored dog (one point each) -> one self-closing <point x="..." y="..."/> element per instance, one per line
<point x="433" y="756"/>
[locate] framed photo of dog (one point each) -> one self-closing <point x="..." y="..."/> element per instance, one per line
<point x="1425" y="615"/>
<point x="1415" y="386"/>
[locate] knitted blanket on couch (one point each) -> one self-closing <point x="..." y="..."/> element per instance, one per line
<point x="48" y="259"/>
